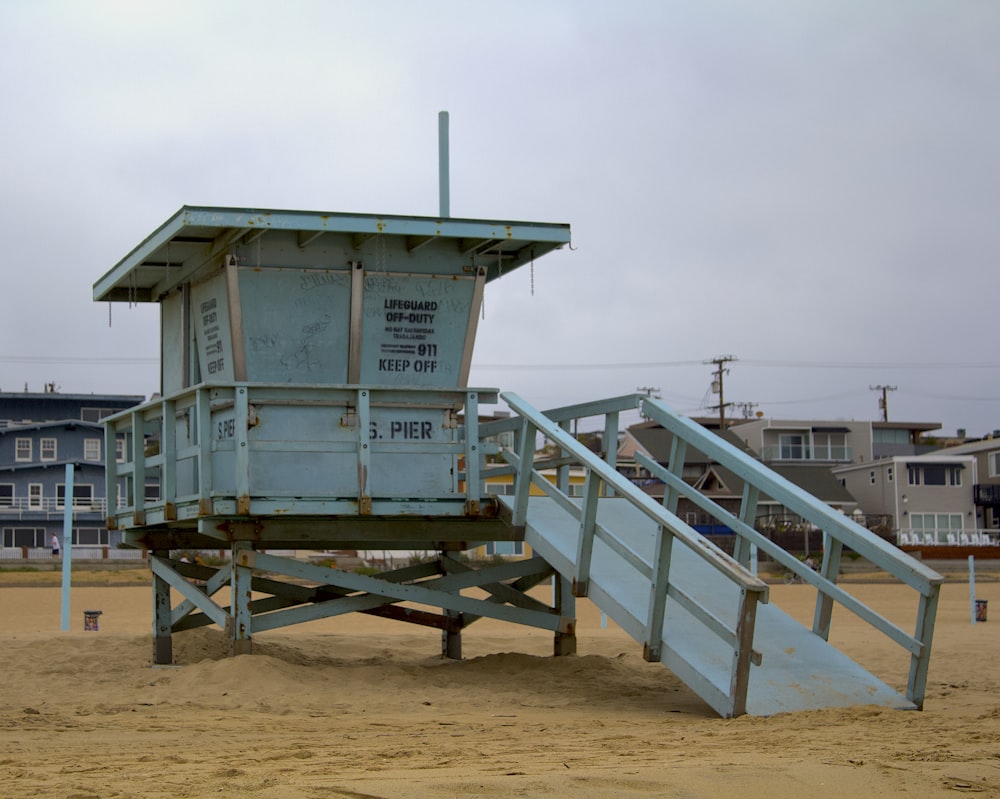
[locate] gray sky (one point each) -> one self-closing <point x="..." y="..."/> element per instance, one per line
<point x="812" y="187"/>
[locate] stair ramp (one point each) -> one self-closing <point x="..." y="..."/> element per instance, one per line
<point x="702" y="613"/>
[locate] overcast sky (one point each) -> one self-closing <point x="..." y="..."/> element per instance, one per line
<point x="811" y="187"/>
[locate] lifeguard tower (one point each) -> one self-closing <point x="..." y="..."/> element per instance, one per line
<point x="314" y="397"/>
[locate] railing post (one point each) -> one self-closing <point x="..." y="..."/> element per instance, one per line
<point x="747" y="515"/>
<point x="241" y="410"/>
<point x="562" y="471"/>
<point x="658" y="587"/>
<point x="522" y="479"/>
<point x="610" y="446"/>
<point x="916" y="683"/>
<point x="110" y="474"/>
<point x="203" y="437"/>
<point x="138" y="468"/>
<point x="472" y="455"/>
<point x="833" y="548"/>
<point x="168" y="468"/>
<point x="585" y="546"/>
<point x="678" y="452"/>
<point x="365" y="438"/>
<point x="743" y="656"/>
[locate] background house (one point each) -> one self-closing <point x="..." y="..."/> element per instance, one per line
<point x="986" y="490"/>
<point x="929" y="497"/>
<point x="726" y="488"/>
<point x="832" y="442"/>
<point x="40" y="433"/>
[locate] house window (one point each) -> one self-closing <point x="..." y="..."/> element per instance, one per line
<point x="871" y="477"/>
<point x="120" y="450"/>
<point x="881" y="435"/>
<point x="888" y="473"/>
<point x="6" y="495"/>
<point x="830" y="446"/>
<point x="47" y="449"/>
<point x="90" y="536"/>
<point x="792" y="447"/>
<point x="152" y="492"/>
<point x="91" y="449"/>
<point x="912" y="475"/>
<point x="34" y="495"/>
<point x="22" y="449"/>
<point x="993" y="459"/>
<point x="83" y="495"/>
<point x="942" y="475"/>
<point x="24" y="537"/>
<point x="938" y="525"/>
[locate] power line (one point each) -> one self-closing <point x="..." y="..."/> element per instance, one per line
<point x="68" y="359"/>
<point x="768" y="364"/>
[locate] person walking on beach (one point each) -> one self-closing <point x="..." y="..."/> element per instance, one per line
<point x="55" y="545"/>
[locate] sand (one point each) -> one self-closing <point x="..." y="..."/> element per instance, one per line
<point x="364" y="707"/>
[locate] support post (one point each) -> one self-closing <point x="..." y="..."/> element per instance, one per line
<point x="163" y="649"/>
<point x="240" y="619"/>
<point x="451" y="635"/>
<point x="564" y="605"/>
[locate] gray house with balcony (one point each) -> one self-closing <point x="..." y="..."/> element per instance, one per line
<point x="929" y="497"/>
<point x="40" y="434"/>
<point x="832" y="443"/>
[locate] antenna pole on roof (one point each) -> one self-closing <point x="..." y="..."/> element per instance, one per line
<point x="443" y="176"/>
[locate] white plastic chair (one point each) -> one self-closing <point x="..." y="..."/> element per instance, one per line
<point x="929" y="538"/>
<point x="904" y="539"/>
<point x="952" y="541"/>
<point x="964" y="538"/>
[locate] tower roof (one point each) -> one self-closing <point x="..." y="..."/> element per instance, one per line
<point x="192" y="241"/>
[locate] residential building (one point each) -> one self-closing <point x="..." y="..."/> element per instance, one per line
<point x="40" y="434"/>
<point x="831" y="443"/>
<point x="929" y="497"/>
<point x="986" y="490"/>
<point x="725" y="487"/>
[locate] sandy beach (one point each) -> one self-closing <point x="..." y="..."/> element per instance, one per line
<point x="364" y="707"/>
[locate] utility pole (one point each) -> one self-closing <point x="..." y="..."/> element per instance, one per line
<point x="717" y="384"/>
<point x="883" y="402"/>
<point x="649" y="391"/>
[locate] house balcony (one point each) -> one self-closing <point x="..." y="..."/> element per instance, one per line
<point x="778" y="453"/>
<point x="48" y="507"/>
<point x="986" y="495"/>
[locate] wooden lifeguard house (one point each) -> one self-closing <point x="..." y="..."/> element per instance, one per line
<point x="314" y="396"/>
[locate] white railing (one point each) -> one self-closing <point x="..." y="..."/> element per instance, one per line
<point x="908" y="537"/>
<point x="49" y="505"/>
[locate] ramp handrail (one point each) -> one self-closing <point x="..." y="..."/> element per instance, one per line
<point x="839" y="531"/>
<point x="599" y="471"/>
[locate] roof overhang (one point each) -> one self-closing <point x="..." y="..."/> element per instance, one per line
<point x="195" y="237"/>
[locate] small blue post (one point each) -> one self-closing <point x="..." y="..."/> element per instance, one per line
<point x="972" y="587"/>
<point x="67" y="545"/>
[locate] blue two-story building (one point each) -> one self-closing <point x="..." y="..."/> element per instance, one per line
<point x="40" y="433"/>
